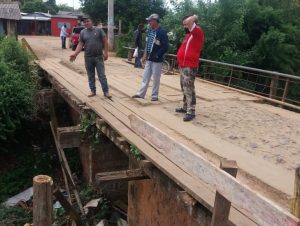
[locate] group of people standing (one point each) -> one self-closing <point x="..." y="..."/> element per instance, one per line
<point x="96" y="52"/>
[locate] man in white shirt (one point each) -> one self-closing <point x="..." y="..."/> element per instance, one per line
<point x="63" y="36"/>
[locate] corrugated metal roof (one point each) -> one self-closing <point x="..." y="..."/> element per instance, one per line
<point x="65" y="16"/>
<point x="10" y="11"/>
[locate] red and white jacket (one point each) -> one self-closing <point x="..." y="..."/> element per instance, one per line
<point x="190" y="50"/>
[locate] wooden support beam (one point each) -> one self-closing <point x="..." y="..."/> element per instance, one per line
<point x="145" y="164"/>
<point x="100" y="122"/>
<point x="186" y="198"/>
<point x="257" y="207"/>
<point x="186" y="201"/>
<point x="120" y="140"/>
<point x="222" y="205"/>
<point x="69" y="137"/>
<point x="296" y="199"/>
<point x="121" y="176"/>
<point x="68" y="208"/>
<point x="66" y="170"/>
<point x="104" y="129"/>
<point x="61" y="163"/>
<point x="42" y="200"/>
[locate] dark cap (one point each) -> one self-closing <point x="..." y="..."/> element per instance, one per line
<point x="85" y="17"/>
<point x="153" y="16"/>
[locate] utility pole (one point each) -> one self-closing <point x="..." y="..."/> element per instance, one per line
<point x="110" y="25"/>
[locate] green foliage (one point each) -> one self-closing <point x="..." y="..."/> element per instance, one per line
<point x="14" y="216"/>
<point x="135" y="152"/>
<point x="89" y="129"/>
<point x="258" y="33"/>
<point x="64" y="7"/>
<point x="124" y="40"/>
<point x="16" y="88"/>
<point x="130" y="12"/>
<point x="29" y="164"/>
<point x="31" y="6"/>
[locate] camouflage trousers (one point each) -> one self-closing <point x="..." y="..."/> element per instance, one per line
<point x="187" y="80"/>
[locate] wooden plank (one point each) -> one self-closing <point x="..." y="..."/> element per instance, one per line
<point x="121" y="176"/>
<point x="258" y="167"/>
<point x="66" y="171"/>
<point x="68" y="208"/>
<point x="258" y="207"/>
<point x="222" y="205"/>
<point x="69" y="137"/>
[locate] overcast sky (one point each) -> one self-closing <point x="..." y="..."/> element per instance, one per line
<point x="69" y="3"/>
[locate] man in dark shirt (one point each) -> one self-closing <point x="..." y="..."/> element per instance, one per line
<point x="138" y="43"/>
<point x="156" y="47"/>
<point x="95" y="52"/>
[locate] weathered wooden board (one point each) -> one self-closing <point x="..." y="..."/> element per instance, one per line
<point x="260" y="208"/>
<point x="123" y="175"/>
<point x="69" y="137"/>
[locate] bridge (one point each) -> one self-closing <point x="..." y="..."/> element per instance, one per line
<point x="176" y="170"/>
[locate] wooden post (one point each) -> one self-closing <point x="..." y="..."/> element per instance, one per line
<point x="110" y="25"/>
<point x="296" y="200"/>
<point x="120" y="27"/>
<point x="42" y="200"/>
<point x="286" y="89"/>
<point x="273" y="87"/>
<point x="222" y="205"/>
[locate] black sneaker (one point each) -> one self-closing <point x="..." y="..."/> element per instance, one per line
<point x="180" y="110"/>
<point x="154" y="99"/>
<point x="188" y="117"/>
<point x="136" y="96"/>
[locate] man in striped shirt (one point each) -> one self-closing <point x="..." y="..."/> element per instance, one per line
<point x="188" y="59"/>
<point x="156" y="47"/>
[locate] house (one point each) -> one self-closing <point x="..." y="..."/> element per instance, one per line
<point x="60" y="19"/>
<point x="9" y="15"/>
<point x="36" y="23"/>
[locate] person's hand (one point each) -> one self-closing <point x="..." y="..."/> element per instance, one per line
<point x="73" y="57"/>
<point x="105" y="56"/>
<point x="143" y="60"/>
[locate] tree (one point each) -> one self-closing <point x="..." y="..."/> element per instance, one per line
<point x="31" y="6"/>
<point x="130" y="12"/>
<point x="64" y="7"/>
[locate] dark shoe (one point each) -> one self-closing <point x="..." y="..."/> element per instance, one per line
<point x="108" y="95"/>
<point x="180" y="110"/>
<point x="136" y="96"/>
<point x="188" y="117"/>
<point x="92" y="94"/>
<point x="154" y="99"/>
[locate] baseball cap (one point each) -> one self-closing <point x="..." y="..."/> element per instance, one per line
<point x="153" y="16"/>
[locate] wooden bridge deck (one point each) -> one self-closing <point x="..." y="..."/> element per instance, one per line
<point x="273" y="181"/>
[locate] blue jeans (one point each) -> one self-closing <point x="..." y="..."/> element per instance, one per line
<point x="63" y="42"/>
<point x="151" y="68"/>
<point x="92" y="64"/>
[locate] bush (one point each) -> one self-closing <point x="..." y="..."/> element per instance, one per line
<point x="16" y="88"/>
<point x="14" y="216"/>
<point x="124" y="40"/>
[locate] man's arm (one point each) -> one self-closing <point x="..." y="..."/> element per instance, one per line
<point x="190" y="21"/>
<point x="77" y="51"/>
<point x="105" y="50"/>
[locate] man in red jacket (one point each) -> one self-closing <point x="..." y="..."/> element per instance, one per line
<point x="188" y="59"/>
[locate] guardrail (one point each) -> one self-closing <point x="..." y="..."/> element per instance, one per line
<point x="280" y="88"/>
